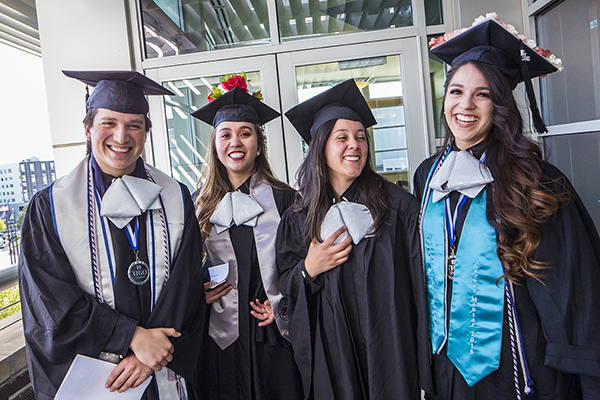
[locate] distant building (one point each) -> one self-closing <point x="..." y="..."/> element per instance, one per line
<point x="35" y="175"/>
<point x="10" y="184"/>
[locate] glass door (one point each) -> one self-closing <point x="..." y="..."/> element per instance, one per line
<point x="179" y="141"/>
<point x="390" y="77"/>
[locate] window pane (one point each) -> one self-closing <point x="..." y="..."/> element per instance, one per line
<point x="396" y="160"/>
<point x="570" y="31"/>
<point x="577" y="157"/>
<point x="322" y="18"/>
<point x="188" y="136"/>
<point x="433" y="12"/>
<point x="437" y="77"/>
<point x="380" y="82"/>
<point x="173" y="27"/>
<point x="389" y="138"/>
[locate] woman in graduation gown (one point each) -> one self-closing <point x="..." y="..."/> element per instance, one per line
<point x="349" y="259"/>
<point x="513" y="276"/>
<point x="246" y="352"/>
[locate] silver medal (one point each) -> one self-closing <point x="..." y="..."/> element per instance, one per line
<point x="138" y="272"/>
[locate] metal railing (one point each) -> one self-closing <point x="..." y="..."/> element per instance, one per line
<point x="8" y="277"/>
<point x="2" y="327"/>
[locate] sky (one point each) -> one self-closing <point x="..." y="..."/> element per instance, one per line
<point x="24" y="124"/>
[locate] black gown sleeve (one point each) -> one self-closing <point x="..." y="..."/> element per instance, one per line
<point x="567" y="298"/>
<point x="181" y="304"/>
<point x="298" y="289"/>
<point x="60" y="320"/>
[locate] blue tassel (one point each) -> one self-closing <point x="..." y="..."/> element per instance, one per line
<point x="529" y="392"/>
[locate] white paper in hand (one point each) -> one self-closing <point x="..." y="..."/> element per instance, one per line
<point x="218" y="274"/>
<point x="85" y="380"/>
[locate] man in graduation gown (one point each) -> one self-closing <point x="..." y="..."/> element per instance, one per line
<point x="111" y="263"/>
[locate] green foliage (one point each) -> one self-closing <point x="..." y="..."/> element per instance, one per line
<point x="2" y="225"/>
<point x="7" y="297"/>
<point x="20" y="218"/>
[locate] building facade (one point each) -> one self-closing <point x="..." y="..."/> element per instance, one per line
<point x="35" y="175"/>
<point x="293" y="49"/>
<point x="10" y="185"/>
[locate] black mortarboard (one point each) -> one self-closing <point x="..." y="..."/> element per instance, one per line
<point x="491" y="43"/>
<point x="343" y="101"/>
<point x="236" y="106"/>
<point x="121" y="91"/>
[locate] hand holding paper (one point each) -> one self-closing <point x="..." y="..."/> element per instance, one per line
<point x="129" y="373"/>
<point x="89" y="375"/>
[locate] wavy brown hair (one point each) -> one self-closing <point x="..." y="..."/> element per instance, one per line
<point x="216" y="182"/>
<point x="313" y="181"/>
<point x="518" y="202"/>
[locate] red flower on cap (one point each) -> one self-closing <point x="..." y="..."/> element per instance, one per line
<point x="228" y="82"/>
<point x="235" y="81"/>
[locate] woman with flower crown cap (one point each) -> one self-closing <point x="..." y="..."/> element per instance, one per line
<point x="511" y="255"/>
<point x="350" y="265"/>
<point x="246" y="352"/>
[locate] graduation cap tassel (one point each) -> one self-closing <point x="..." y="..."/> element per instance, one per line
<point x="87" y="96"/>
<point x="538" y="123"/>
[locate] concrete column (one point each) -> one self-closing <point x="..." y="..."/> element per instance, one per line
<point x="78" y="35"/>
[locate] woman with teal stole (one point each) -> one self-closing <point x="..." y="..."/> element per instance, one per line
<point x="511" y="256"/>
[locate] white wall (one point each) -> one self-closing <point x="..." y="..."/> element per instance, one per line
<point x="77" y="35"/>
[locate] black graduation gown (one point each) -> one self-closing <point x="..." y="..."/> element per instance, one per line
<point x="354" y="329"/>
<point x="61" y="320"/>
<point x="259" y="365"/>
<point x="559" y="316"/>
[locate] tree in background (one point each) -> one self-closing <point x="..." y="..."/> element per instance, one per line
<point x="20" y="217"/>
<point x="2" y="225"/>
<point x="9" y="296"/>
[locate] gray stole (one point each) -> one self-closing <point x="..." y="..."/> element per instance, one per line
<point x="69" y="203"/>
<point x="224" y="320"/>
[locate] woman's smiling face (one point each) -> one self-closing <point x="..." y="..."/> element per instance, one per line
<point x="237" y="148"/>
<point x="346" y="152"/>
<point x="468" y="107"/>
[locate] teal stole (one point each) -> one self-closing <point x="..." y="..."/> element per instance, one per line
<point x="474" y="332"/>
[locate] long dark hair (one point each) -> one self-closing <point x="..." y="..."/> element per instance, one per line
<point x="517" y="202"/>
<point x="214" y="182"/>
<point x="313" y="181"/>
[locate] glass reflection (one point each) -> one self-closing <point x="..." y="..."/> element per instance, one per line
<point x="437" y="76"/>
<point x="188" y="136"/>
<point x="570" y="31"/>
<point x="433" y="12"/>
<point x="301" y="18"/>
<point x="173" y="27"/>
<point x="380" y="82"/>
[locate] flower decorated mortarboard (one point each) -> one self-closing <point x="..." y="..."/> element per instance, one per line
<point x="493" y="42"/>
<point x="121" y="91"/>
<point x="343" y="101"/>
<point x="236" y="105"/>
<point x="230" y="81"/>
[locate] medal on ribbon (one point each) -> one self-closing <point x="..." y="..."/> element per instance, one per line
<point x="138" y="271"/>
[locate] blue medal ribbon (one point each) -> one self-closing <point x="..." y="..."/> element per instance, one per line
<point x="132" y="235"/>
